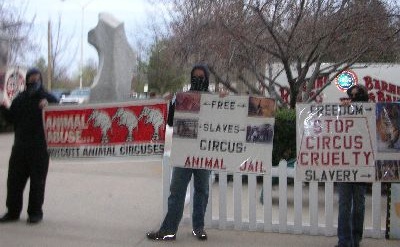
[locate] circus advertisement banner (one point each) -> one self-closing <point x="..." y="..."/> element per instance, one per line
<point x="336" y="143"/>
<point x="387" y="167"/>
<point x="232" y="133"/>
<point x="114" y="130"/>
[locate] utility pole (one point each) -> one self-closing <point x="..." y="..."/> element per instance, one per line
<point x="83" y="6"/>
<point x="49" y="56"/>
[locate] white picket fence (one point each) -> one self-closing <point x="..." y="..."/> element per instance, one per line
<point x="299" y="224"/>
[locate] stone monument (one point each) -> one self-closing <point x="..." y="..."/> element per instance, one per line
<point x="117" y="61"/>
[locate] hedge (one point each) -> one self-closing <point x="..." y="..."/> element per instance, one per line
<point x="284" y="136"/>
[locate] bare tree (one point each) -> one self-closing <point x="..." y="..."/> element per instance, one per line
<point x="61" y="56"/>
<point x="17" y="29"/>
<point x="164" y="76"/>
<point x="243" y="41"/>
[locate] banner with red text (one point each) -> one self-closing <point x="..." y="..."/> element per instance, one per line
<point x="336" y="143"/>
<point x="232" y="133"/>
<point x="114" y="130"/>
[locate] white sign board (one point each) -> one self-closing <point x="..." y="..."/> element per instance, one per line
<point x="233" y="133"/>
<point x="14" y="84"/>
<point x="336" y="143"/>
<point x="394" y="225"/>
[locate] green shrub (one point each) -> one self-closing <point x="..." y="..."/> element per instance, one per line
<point x="284" y="136"/>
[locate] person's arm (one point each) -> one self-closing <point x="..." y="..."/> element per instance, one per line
<point x="6" y="113"/>
<point x="51" y="98"/>
<point x="171" y="112"/>
<point x="47" y="98"/>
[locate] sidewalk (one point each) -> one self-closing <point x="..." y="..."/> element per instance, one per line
<point x="115" y="204"/>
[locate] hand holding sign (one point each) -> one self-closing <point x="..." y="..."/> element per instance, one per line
<point x="3" y="100"/>
<point x="43" y="103"/>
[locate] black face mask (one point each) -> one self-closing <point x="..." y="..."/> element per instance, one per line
<point x="32" y="87"/>
<point x="359" y="97"/>
<point x="198" y="84"/>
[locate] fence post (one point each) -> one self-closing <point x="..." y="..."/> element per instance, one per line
<point x="282" y="196"/>
<point x="329" y="195"/>
<point x="313" y="202"/>
<point x="376" y="210"/>
<point x="298" y="206"/>
<point x="267" y="200"/>
<point x="223" y="184"/>
<point x="237" y="200"/>
<point x="251" y="182"/>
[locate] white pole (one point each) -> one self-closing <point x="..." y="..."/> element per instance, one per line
<point x="82" y="29"/>
<point x="81" y="60"/>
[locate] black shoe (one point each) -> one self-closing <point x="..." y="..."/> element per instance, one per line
<point x="200" y="234"/>
<point x="9" y="218"/>
<point x="160" y="236"/>
<point x="34" y="219"/>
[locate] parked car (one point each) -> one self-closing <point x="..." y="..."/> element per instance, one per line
<point x="60" y="93"/>
<point x="77" y="96"/>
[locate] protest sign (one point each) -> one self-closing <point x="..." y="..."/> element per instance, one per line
<point x="14" y="83"/>
<point x="114" y="130"/>
<point x="393" y="226"/>
<point x="388" y="142"/>
<point x="336" y="143"/>
<point x="232" y="133"/>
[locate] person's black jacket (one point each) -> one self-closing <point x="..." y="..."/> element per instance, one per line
<point x="194" y="86"/>
<point x="171" y="111"/>
<point x="26" y="116"/>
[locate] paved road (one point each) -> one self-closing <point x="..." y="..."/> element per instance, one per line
<point x="114" y="204"/>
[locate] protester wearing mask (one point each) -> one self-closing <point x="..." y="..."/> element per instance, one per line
<point x="29" y="157"/>
<point x="181" y="178"/>
<point x="352" y="195"/>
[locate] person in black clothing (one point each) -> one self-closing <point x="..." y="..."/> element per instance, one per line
<point x="352" y="195"/>
<point x="29" y="157"/>
<point x="181" y="178"/>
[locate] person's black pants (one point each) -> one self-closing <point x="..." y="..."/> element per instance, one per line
<point x="32" y="163"/>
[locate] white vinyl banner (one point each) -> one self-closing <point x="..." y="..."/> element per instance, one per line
<point x="336" y="143"/>
<point x="232" y="133"/>
<point x="395" y="211"/>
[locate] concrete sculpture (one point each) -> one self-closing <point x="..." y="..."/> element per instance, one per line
<point x="117" y="61"/>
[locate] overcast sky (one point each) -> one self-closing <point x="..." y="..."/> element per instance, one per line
<point x="136" y="15"/>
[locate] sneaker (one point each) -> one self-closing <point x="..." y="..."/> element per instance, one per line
<point x="160" y="236"/>
<point x="9" y="218"/>
<point x="34" y="219"/>
<point x="200" y="234"/>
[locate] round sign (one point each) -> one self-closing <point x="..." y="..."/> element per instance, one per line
<point x="346" y="80"/>
<point x="14" y="84"/>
